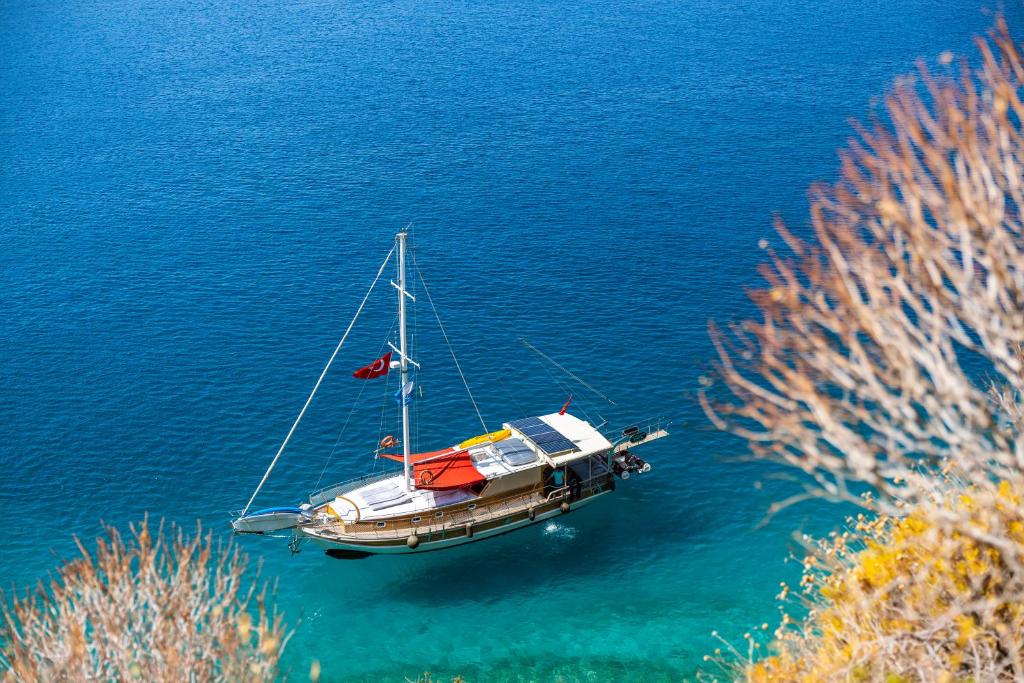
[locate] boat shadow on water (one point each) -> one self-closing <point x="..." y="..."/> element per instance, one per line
<point x="549" y="554"/>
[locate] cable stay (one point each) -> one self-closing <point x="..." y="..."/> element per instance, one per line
<point x="318" y="382"/>
<point x="568" y="390"/>
<point x="451" y="350"/>
<point x="564" y="369"/>
<point x="351" y="412"/>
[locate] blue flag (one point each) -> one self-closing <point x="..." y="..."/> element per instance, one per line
<point x="404" y="395"/>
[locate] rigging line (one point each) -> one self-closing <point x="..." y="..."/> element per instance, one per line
<point x="511" y="396"/>
<point x="318" y="382"/>
<point x="362" y="388"/>
<point x="579" y="403"/>
<point x="563" y="369"/>
<point x="426" y="290"/>
<point x="557" y="381"/>
<point x="355" y="404"/>
<point x="415" y="350"/>
<point x="383" y="415"/>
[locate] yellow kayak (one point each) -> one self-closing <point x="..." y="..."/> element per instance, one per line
<point x="485" y="438"/>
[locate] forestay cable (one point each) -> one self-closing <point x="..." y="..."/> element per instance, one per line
<point x="352" y="411"/>
<point x="317" y="385"/>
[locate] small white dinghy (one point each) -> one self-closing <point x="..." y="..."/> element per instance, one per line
<point x="272" y="519"/>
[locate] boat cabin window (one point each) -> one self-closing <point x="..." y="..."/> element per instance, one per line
<point x="416" y="519"/>
<point x="471" y="506"/>
<point x="381" y="525"/>
<point x="439" y="514"/>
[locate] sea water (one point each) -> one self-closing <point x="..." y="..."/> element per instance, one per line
<point x="194" y="197"/>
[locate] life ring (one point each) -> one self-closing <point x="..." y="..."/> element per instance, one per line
<point x="426" y="477"/>
<point x="388" y="441"/>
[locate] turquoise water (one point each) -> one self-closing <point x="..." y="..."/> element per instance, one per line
<point x="193" y="197"/>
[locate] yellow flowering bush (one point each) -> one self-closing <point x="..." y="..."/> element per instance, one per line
<point x="909" y="599"/>
<point x="887" y="356"/>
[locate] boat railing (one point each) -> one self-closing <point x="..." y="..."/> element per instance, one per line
<point x="557" y="494"/>
<point x="329" y="493"/>
<point x="591" y="486"/>
<point x="512" y="505"/>
<point x="637" y="433"/>
<point x="650" y="423"/>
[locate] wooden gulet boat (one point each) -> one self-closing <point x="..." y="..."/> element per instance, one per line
<point x="530" y="470"/>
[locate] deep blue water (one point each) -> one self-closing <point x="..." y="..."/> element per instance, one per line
<point x="194" y="196"/>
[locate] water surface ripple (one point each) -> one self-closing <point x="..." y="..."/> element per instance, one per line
<point x="194" y="195"/>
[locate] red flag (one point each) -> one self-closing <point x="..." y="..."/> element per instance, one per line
<point x="566" y="406"/>
<point x="377" y="368"/>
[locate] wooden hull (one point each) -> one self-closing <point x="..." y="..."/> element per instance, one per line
<point x="339" y="544"/>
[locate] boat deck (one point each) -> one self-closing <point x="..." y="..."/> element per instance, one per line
<point x="384" y="498"/>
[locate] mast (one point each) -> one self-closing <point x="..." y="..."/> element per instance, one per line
<point x="400" y="238"/>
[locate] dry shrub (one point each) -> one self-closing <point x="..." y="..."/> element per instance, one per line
<point x="887" y="354"/>
<point x="154" y="608"/>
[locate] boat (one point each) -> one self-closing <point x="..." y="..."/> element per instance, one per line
<point x="272" y="519"/>
<point x="531" y="469"/>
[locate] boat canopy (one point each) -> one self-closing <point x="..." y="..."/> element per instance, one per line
<point x="442" y="470"/>
<point x="452" y="471"/>
<point x="420" y="457"/>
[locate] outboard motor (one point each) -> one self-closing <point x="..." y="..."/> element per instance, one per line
<point x="625" y="463"/>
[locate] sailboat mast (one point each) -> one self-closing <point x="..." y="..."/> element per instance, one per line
<point x="404" y="360"/>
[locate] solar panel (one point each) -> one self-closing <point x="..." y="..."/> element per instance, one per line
<point x="546" y="437"/>
<point x="527" y="422"/>
<point x="558" y="444"/>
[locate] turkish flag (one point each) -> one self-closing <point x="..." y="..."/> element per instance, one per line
<point x="377" y="368"/>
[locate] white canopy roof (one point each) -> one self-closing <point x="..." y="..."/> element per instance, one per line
<point x="582" y="434"/>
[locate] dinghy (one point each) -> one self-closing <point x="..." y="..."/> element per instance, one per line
<point x="271" y="519"/>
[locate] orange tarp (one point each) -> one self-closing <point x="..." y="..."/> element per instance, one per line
<point x="418" y="457"/>
<point x="453" y="471"/>
<point x="442" y="470"/>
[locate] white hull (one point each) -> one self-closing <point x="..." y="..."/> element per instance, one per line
<point x="268" y="522"/>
